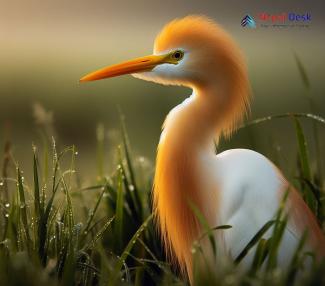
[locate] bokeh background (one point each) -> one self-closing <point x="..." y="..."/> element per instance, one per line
<point x="46" y="46"/>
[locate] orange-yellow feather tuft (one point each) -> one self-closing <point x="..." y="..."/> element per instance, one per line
<point x="174" y="187"/>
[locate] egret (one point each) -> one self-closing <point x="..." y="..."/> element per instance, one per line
<point x="238" y="187"/>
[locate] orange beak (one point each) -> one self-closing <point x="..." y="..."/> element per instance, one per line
<point x="142" y="64"/>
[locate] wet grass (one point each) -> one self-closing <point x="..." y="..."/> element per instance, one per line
<point x="56" y="231"/>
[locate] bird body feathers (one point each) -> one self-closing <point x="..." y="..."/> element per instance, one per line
<point x="238" y="187"/>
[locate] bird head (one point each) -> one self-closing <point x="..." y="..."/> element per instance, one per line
<point x="193" y="51"/>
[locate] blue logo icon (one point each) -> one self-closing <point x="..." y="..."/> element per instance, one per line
<point x="248" y="21"/>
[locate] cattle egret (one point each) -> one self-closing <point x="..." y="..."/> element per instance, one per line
<point x="237" y="187"/>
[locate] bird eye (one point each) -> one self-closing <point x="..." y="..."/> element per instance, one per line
<point x="177" y="55"/>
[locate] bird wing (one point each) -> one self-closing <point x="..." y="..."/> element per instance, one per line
<point x="252" y="188"/>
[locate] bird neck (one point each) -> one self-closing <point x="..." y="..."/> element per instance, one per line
<point x="199" y="121"/>
<point x="185" y="154"/>
<point x="185" y="160"/>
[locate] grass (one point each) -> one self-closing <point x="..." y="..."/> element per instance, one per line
<point x="55" y="230"/>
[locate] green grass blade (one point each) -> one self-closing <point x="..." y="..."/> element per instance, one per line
<point x="126" y="150"/>
<point x="302" y="72"/>
<point x="23" y="207"/>
<point x="4" y="190"/>
<point x="43" y="224"/>
<point x="296" y="259"/>
<point x="94" y="187"/>
<point x="303" y="151"/>
<point x="127" y="250"/>
<point x="225" y="226"/>
<point x="93" y="212"/>
<point x="318" y="200"/>
<point x="205" y="225"/>
<point x="277" y="234"/>
<point x="37" y="199"/>
<point x="305" y="166"/>
<point x="261" y="253"/>
<point x="275" y="243"/>
<point x="313" y="117"/>
<point x="155" y="259"/>
<point x="5" y="166"/>
<point x="137" y="195"/>
<point x="256" y="238"/>
<point x="130" y="197"/>
<point x="118" y="223"/>
<point x="305" y="79"/>
<point x="98" y="235"/>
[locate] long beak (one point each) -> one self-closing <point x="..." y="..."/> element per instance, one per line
<point x="142" y="64"/>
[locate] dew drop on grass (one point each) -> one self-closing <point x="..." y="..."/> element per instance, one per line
<point x="22" y="205"/>
<point x="1" y="183"/>
<point x="60" y="224"/>
<point x="7" y="205"/>
<point x="7" y="215"/>
<point x="5" y="242"/>
<point x="141" y="159"/>
<point x="131" y="187"/>
<point x="77" y="228"/>
<point x="76" y="153"/>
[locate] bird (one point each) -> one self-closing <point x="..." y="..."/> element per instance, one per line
<point x="238" y="187"/>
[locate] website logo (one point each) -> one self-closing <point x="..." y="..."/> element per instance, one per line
<point x="277" y="20"/>
<point x="248" y="21"/>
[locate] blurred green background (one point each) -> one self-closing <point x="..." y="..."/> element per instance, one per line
<point x="46" y="46"/>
